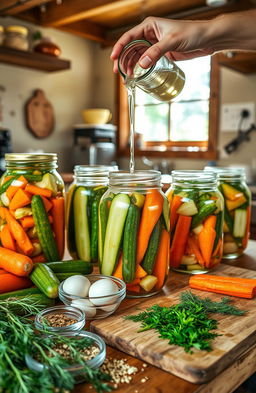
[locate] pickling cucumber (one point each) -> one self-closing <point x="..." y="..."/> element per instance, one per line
<point x="102" y="220"/>
<point x="151" y="253"/>
<point x="114" y="231"/>
<point x="78" y="266"/>
<point x="44" y="278"/>
<point x="218" y="229"/>
<point x="208" y="207"/>
<point x="44" y="229"/>
<point x="82" y="234"/>
<point x="94" y="228"/>
<point x="130" y="243"/>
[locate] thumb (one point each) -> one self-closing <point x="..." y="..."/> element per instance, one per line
<point x="151" y="55"/>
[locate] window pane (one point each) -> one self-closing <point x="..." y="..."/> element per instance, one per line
<point x="152" y="122"/>
<point x="142" y="98"/>
<point x="197" y="85"/>
<point x="189" y="121"/>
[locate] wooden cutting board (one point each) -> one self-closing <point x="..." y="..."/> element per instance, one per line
<point x="237" y="333"/>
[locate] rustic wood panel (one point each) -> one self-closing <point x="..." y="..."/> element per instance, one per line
<point x="238" y="334"/>
<point x="244" y="62"/>
<point x="88" y="30"/>
<point x="14" y="7"/>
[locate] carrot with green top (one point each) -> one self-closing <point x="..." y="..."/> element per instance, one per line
<point x="58" y="223"/>
<point x="15" y="263"/>
<point x="159" y="270"/>
<point x="231" y="286"/>
<point x="176" y="203"/>
<point x="7" y="239"/>
<point x="19" y="234"/>
<point x="180" y="240"/>
<point x="20" y="199"/>
<point x="151" y="212"/>
<point x="38" y="191"/>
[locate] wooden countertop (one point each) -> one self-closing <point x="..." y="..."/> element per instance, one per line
<point x="162" y="382"/>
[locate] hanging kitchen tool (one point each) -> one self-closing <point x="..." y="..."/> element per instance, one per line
<point x="39" y="115"/>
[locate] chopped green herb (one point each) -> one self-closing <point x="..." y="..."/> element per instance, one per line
<point x="186" y="324"/>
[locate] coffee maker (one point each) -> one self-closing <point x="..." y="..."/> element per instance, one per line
<point x="94" y="144"/>
<point x="5" y="147"/>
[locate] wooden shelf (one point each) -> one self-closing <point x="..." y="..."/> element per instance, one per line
<point x="36" y="61"/>
<point x="244" y="62"/>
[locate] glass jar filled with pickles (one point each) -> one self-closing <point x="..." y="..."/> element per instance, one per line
<point x="84" y="194"/>
<point x="134" y="223"/>
<point x="237" y="197"/>
<point x="196" y="224"/>
<point x="32" y="206"/>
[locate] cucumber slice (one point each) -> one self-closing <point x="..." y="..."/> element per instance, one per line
<point x="114" y="231"/>
<point x="240" y="220"/>
<point x="82" y="234"/>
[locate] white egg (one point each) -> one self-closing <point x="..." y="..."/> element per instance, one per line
<point x="86" y="306"/>
<point x="103" y="287"/>
<point x="77" y="285"/>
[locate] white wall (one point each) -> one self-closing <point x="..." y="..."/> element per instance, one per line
<point x="69" y="92"/>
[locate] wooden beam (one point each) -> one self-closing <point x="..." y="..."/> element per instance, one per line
<point x="70" y="11"/>
<point x="88" y="30"/>
<point x="14" y="7"/>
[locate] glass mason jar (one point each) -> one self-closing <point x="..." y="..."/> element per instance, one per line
<point x="197" y="211"/>
<point x="90" y="183"/>
<point x="163" y="81"/>
<point x="32" y="206"/>
<point x="237" y="217"/>
<point x="16" y="37"/>
<point x="134" y="237"/>
<point x="1" y="35"/>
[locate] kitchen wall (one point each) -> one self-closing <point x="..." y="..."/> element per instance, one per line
<point x="69" y="92"/>
<point x="235" y="87"/>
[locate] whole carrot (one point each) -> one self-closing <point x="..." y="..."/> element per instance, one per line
<point x="19" y="234"/>
<point x="10" y="282"/>
<point x="151" y="212"/>
<point x="7" y="239"/>
<point x="15" y="263"/>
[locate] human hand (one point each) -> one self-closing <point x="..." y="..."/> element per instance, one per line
<point x="178" y="40"/>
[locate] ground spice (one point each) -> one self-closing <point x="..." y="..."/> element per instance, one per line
<point x="59" y="320"/>
<point x="64" y="351"/>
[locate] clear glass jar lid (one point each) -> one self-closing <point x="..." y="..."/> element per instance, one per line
<point x="93" y="170"/>
<point x="195" y="178"/>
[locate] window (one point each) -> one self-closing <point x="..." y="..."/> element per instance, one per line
<point x="185" y="127"/>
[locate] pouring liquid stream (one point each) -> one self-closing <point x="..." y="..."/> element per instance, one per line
<point x="131" y="104"/>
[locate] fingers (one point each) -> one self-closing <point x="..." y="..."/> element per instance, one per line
<point x="133" y="34"/>
<point x="153" y="54"/>
<point x="179" y="56"/>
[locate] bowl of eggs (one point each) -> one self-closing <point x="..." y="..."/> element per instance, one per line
<point x="98" y="296"/>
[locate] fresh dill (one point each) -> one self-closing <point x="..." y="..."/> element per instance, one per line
<point x="186" y="324"/>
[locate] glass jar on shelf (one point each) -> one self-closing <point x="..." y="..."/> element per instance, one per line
<point x="134" y="221"/>
<point x="1" y="35"/>
<point x="16" y="37"/>
<point x="32" y="206"/>
<point x="237" y="217"/>
<point x="83" y="197"/>
<point x="197" y="211"/>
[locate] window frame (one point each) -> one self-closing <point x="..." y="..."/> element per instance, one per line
<point x="172" y="149"/>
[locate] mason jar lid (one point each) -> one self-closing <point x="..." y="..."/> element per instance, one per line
<point x="226" y="173"/>
<point x="141" y="180"/>
<point x="93" y="170"/>
<point x="195" y="178"/>
<point x="31" y="157"/>
<point x="17" y="29"/>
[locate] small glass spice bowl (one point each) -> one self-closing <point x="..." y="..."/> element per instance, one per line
<point x="76" y="370"/>
<point x="96" y="307"/>
<point x="42" y="322"/>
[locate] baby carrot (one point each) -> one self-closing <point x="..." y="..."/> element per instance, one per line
<point x="179" y="240"/>
<point x="38" y="191"/>
<point x="15" y="263"/>
<point x="19" y="234"/>
<point x="7" y="239"/>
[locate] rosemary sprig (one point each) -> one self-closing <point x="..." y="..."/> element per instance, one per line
<point x="17" y="338"/>
<point x="186" y="324"/>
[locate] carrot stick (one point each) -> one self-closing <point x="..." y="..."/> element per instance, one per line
<point x="140" y="272"/>
<point x="15" y="263"/>
<point x="206" y="241"/>
<point x="19" y="183"/>
<point x="118" y="272"/>
<point x="232" y="286"/>
<point x="216" y="251"/>
<point x="2" y="212"/>
<point x="210" y="222"/>
<point x="58" y="223"/>
<point x="247" y="232"/>
<point x="136" y="281"/>
<point x="20" y="199"/>
<point x="195" y="250"/>
<point x="38" y="190"/>
<point x="10" y="282"/>
<point x="133" y="288"/>
<point x="162" y="259"/>
<point x="27" y="222"/>
<point x="19" y="234"/>
<point x="151" y="212"/>
<point x="7" y="239"/>
<point x="47" y="204"/>
<point x="176" y="203"/>
<point x="39" y="259"/>
<point x="179" y="240"/>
